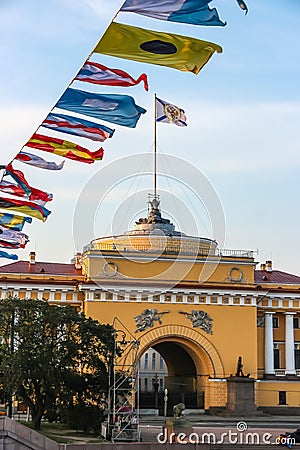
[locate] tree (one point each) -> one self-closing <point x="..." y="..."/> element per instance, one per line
<point x="52" y="355"/>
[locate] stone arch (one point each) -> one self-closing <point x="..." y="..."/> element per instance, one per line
<point x="195" y="343"/>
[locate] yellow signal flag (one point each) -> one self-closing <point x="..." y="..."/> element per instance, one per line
<point x="154" y="47"/>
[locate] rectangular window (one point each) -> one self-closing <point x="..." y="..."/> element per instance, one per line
<point x="179" y="298"/>
<point x="296" y="322"/>
<point x="276" y="358"/>
<point x="108" y="295"/>
<point x="153" y="361"/>
<point x="282" y="397"/>
<point x="156" y="298"/>
<point x="275" y="322"/>
<point x="146" y="384"/>
<point x="161" y="363"/>
<point x="297" y="359"/>
<point x="146" y="361"/>
<point x="168" y="298"/>
<point x="161" y="384"/>
<point x="190" y="299"/>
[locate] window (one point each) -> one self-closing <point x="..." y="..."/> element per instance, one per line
<point x="275" y="322"/>
<point x="168" y="298"/>
<point x="297" y="358"/>
<point x="296" y="322"/>
<point x="282" y="397"/>
<point x="153" y="361"/>
<point x="161" y="384"/>
<point x="146" y="361"/>
<point x="146" y="384"/>
<point x="161" y="363"/>
<point x="156" y="298"/>
<point x="276" y="358"/>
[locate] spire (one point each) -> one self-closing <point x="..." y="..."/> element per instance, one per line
<point x="154" y="221"/>
<point x="154" y="215"/>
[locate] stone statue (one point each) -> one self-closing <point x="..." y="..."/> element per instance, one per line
<point x="177" y="410"/>
<point x="178" y="423"/>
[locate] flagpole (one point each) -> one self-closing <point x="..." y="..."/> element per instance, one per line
<point x="155" y="148"/>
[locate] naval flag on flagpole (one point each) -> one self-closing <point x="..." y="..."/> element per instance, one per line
<point x="168" y="113"/>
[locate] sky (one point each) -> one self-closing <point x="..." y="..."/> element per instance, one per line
<point x="241" y="144"/>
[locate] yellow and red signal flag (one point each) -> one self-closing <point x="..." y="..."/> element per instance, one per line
<point x="64" y="148"/>
<point x="22" y="189"/>
<point x="153" y="47"/>
<point x="25" y="207"/>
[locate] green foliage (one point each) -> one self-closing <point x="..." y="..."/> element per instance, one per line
<point x="52" y="355"/>
<point x="83" y="418"/>
<point x="51" y="415"/>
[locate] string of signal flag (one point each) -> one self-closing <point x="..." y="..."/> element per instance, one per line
<point x="22" y="202"/>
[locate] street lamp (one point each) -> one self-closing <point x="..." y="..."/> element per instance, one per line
<point x="155" y="386"/>
<point x="12" y="339"/>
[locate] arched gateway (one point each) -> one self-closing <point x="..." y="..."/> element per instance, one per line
<point x="191" y="360"/>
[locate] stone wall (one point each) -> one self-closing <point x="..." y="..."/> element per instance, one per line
<point x="15" y="436"/>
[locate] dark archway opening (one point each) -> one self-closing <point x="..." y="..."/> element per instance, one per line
<point x="178" y="375"/>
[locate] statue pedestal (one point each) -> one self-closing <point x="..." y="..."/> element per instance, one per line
<point x="177" y="428"/>
<point x="240" y="397"/>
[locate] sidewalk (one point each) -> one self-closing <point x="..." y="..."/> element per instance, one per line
<point x="264" y="420"/>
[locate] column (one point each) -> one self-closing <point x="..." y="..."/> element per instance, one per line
<point x="289" y="344"/>
<point x="269" y="345"/>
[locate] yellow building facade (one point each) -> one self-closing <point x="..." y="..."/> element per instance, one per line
<point x="198" y="306"/>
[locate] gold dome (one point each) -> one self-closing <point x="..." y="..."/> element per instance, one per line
<point x="155" y="235"/>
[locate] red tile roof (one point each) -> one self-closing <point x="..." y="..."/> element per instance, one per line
<point x="276" y="276"/>
<point x="40" y="268"/>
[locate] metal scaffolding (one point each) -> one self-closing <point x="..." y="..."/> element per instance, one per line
<point x="123" y="394"/>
